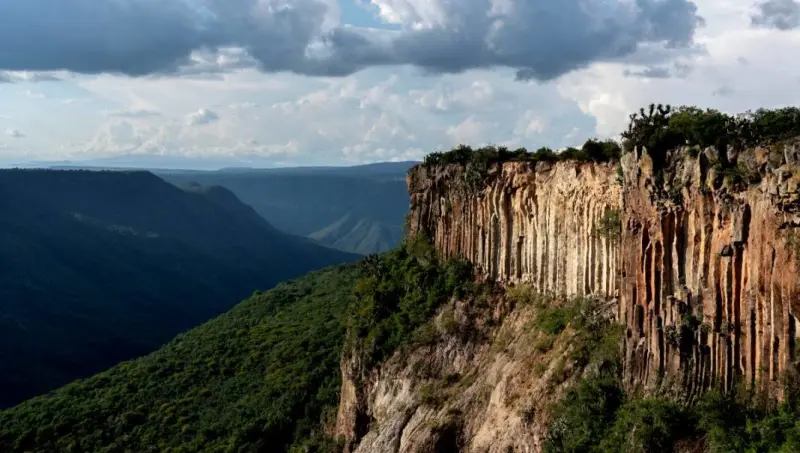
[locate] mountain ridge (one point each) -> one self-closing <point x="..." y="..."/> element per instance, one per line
<point x="98" y="267"/>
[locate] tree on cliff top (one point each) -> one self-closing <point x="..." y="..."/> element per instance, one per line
<point x="662" y="128"/>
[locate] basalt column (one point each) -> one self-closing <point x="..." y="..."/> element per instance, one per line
<point x="533" y="224"/>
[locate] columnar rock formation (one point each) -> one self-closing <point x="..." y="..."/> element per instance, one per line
<point x="705" y="271"/>
<point x="709" y="288"/>
<point x="536" y="225"/>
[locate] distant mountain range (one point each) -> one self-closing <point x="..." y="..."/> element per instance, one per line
<point x="98" y="267"/>
<point x="356" y="209"/>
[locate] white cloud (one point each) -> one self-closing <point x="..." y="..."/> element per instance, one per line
<point x="132" y="113"/>
<point x="30" y="76"/>
<point x="34" y="95"/>
<point x="14" y="133"/>
<point x="398" y="112"/>
<point x="201" y="117"/>
<point x="468" y="131"/>
<point x="529" y="125"/>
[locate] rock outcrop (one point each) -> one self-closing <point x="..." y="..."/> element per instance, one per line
<point x="709" y="283"/>
<point x="702" y="269"/>
<point x="705" y="270"/>
<point x="484" y="385"/>
<point x="536" y="225"/>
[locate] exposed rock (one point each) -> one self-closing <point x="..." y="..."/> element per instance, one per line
<point x="533" y="225"/>
<point x="697" y="242"/>
<point x="726" y="247"/>
<point x="704" y="274"/>
<point x="476" y="389"/>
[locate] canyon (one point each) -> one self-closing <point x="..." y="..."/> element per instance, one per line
<point x="698" y="262"/>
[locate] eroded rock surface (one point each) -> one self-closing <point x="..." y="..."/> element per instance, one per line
<point x="709" y="288"/>
<point x="536" y="225"/>
<point x="706" y="268"/>
<point x="704" y="273"/>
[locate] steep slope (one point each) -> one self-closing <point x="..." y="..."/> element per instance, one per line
<point x="355" y="209"/>
<point x="99" y="267"/>
<point x="254" y="379"/>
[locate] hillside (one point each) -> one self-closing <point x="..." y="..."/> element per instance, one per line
<point x="99" y="267"/>
<point x="354" y="209"/>
<point x="255" y="377"/>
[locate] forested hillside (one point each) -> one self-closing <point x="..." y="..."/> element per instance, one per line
<point x="355" y="209"/>
<point x="259" y="378"/>
<point x="99" y="267"/>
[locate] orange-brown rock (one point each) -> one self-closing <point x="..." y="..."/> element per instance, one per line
<point x="699" y="245"/>
<point x="706" y="271"/>
<point x="536" y="225"/>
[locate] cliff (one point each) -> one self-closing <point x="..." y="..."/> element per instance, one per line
<point x="709" y="283"/>
<point x="705" y="270"/>
<point x="483" y="384"/>
<point x="530" y="223"/>
<point x="698" y="261"/>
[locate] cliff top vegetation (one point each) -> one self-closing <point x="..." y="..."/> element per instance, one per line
<point x="658" y="128"/>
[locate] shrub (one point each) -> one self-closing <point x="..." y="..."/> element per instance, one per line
<point x="544" y="344"/>
<point x="610" y="225"/>
<point x="646" y="425"/>
<point x="399" y="292"/>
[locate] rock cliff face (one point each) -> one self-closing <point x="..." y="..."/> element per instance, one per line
<point x="709" y="290"/>
<point x="702" y="272"/>
<point x="705" y="270"/>
<point x="536" y="225"/>
<point x="484" y="385"/>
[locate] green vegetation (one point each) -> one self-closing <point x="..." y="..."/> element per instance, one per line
<point x="256" y="379"/>
<point x="659" y="128"/>
<point x="610" y="225"/>
<point x="100" y="267"/>
<point x="483" y="158"/>
<point x="662" y="128"/>
<point x="259" y="378"/>
<point x="477" y="163"/>
<point x="597" y="416"/>
<point x="400" y="292"/>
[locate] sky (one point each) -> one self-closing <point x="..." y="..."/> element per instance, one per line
<point x="214" y="83"/>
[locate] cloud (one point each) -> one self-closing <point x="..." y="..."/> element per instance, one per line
<point x="679" y="70"/>
<point x="34" y="95"/>
<point x="27" y="76"/>
<point x="133" y="114"/>
<point x="468" y="131"/>
<point x="541" y="39"/>
<point x="201" y="117"/>
<point x="779" y="14"/>
<point x="14" y="133"/>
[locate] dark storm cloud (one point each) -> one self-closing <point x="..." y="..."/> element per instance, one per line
<point x="541" y="39"/>
<point x="779" y="14"/>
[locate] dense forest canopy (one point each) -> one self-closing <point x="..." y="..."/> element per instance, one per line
<point x="256" y="379"/>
